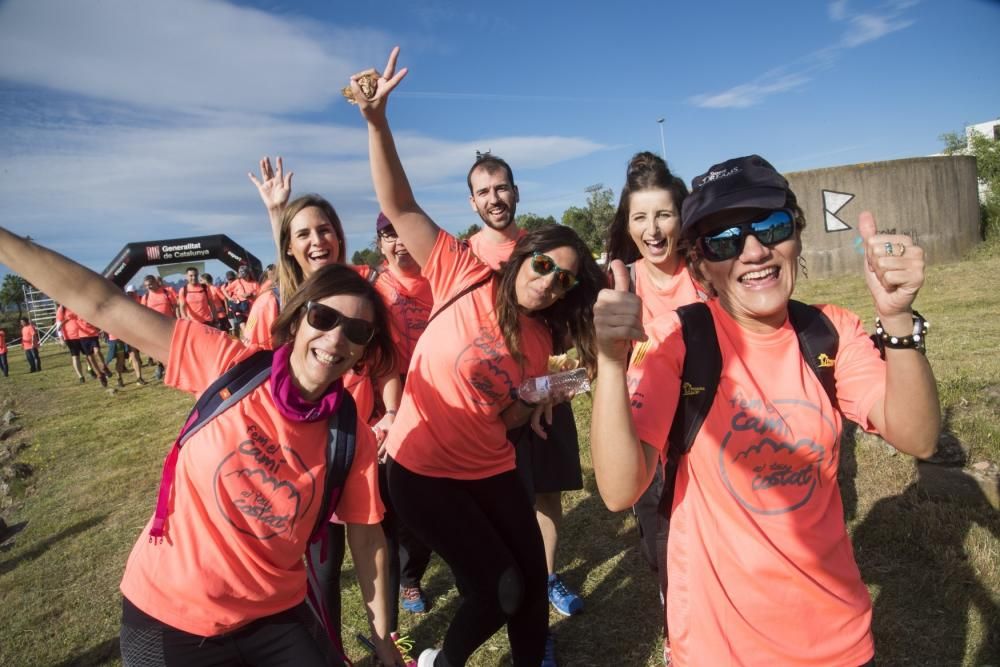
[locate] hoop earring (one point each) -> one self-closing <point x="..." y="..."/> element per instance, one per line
<point x="803" y="268"/>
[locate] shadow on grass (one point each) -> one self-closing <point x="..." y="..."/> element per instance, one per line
<point x="43" y="546"/>
<point x="101" y="654"/>
<point x="914" y="550"/>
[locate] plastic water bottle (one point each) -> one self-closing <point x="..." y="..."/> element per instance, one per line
<point x="536" y="390"/>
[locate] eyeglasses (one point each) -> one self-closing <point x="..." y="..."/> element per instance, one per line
<point x="325" y="318"/>
<point x="543" y="265"/>
<point x="770" y="229"/>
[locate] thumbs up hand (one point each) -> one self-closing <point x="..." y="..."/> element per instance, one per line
<point x="894" y="268"/>
<point x="617" y="316"/>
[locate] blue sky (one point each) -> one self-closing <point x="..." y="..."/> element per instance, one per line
<point x="134" y="120"/>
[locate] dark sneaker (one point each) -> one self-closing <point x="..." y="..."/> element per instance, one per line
<point x="92" y="373"/>
<point x="121" y="382"/>
<point x="81" y="380"/>
<point x="413" y="600"/>
<point x="563" y="599"/>
<point x="549" y="658"/>
<point x="141" y="382"/>
<point x="158" y="374"/>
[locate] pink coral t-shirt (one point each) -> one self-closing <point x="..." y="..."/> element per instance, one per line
<point x="245" y="498"/>
<point x="462" y="375"/>
<point x="760" y="565"/>
<point x="490" y="253"/>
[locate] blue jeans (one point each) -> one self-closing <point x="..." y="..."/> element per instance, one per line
<point x="34" y="362"/>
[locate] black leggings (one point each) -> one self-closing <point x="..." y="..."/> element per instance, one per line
<point x="286" y="638"/>
<point x="485" y="529"/>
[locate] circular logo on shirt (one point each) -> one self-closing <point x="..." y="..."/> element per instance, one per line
<point x="479" y="366"/>
<point x="772" y="456"/>
<point x="258" y="492"/>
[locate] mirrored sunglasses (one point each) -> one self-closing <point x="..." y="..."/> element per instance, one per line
<point x="770" y="229"/>
<point x="543" y="265"/>
<point x="325" y="318"/>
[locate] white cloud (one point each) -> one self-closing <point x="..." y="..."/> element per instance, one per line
<point x="182" y="54"/>
<point x="863" y="28"/>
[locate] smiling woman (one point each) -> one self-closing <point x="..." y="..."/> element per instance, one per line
<point x="224" y="551"/>
<point x="755" y="503"/>
<point x="451" y="469"/>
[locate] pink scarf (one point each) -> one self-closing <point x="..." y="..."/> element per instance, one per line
<point x="289" y="401"/>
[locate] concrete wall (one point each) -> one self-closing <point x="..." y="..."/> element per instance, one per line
<point x="933" y="198"/>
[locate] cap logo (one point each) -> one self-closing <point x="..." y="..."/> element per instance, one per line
<point x="722" y="173"/>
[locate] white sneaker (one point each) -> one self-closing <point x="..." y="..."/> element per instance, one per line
<point x="427" y="657"/>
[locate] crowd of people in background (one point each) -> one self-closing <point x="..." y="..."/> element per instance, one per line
<point x="735" y="497"/>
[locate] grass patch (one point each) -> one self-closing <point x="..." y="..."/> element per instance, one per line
<point x="933" y="567"/>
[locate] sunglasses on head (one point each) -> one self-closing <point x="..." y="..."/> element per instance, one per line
<point x="325" y="318"/>
<point x="771" y="228"/>
<point x="543" y="265"/>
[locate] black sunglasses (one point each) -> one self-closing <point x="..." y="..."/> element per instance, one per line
<point x="325" y="318"/>
<point x="543" y="265"/>
<point x="770" y="229"/>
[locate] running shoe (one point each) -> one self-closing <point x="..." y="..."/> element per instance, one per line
<point x="413" y="599"/>
<point x="81" y="380"/>
<point x="427" y="657"/>
<point x="121" y="382"/>
<point x="92" y="373"/>
<point x="141" y="382"/>
<point x="549" y="659"/>
<point x="404" y="644"/>
<point x="103" y="379"/>
<point x="565" y="601"/>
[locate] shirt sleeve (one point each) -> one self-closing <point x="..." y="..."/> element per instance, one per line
<point x="199" y="354"/>
<point x="451" y="267"/>
<point x="361" y="502"/>
<point x="859" y="370"/>
<point x="654" y="379"/>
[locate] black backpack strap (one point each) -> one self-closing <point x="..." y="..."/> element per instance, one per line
<point x="699" y="382"/>
<point x="818" y="342"/>
<point x="463" y="292"/>
<point x="323" y="555"/>
<point x="227" y="389"/>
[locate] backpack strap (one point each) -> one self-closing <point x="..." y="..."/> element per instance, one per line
<point x="373" y="275"/>
<point x="227" y="389"/>
<point x="322" y="569"/>
<point x="699" y="382"/>
<point x="818" y="342"/>
<point x="463" y="292"/>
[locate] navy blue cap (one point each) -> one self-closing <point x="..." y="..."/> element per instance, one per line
<point x="743" y="182"/>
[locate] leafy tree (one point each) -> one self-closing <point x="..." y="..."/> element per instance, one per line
<point x="592" y="222"/>
<point x="987" y="154"/>
<point x="469" y="232"/>
<point x="531" y="222"/>
<point x="12" y="292"/>
<point x="366" y="256"/>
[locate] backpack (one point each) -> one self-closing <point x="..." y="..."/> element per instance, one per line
<point x="325" y="541"/>
<point x="818" y="342"/>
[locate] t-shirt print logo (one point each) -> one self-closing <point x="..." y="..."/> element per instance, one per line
<point x="258" y="492"/>
<point x="771" y="458"/>
<point x="479" y="365"/>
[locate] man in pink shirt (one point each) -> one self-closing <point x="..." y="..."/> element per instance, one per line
<point x="29" y="343"/>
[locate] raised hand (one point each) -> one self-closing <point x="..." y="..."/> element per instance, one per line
<point x="617" y="316"/>
<point x="373" y="108"/>
<point x="274" y="186"/>
<point x="894" y="268"/>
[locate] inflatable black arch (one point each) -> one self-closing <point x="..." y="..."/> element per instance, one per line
<point x="134" y="256"/>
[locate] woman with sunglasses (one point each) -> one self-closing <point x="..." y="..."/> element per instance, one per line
<point x="759" y="560"/>
<point x="226" y="583"/>
<point x="451" y="469"/>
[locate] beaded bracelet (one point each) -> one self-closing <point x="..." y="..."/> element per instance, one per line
<point x="915" y="340"/>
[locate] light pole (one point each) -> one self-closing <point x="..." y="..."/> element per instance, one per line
<point x="663" y="145"/>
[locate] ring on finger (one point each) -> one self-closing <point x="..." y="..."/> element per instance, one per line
<point x="888" y="249"/>
<point x="901" y="248"/>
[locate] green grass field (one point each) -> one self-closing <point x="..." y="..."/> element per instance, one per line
<point x="933" y="566"/>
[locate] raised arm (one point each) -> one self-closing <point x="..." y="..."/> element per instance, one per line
<point x="274" y="187"/>
<point x="93" y="298"/>
<point x="909" y="415"/>
<point x="623" y="466"/>
<point x="395" y="197"/>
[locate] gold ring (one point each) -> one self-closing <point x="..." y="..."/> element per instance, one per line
<point x="888" y="249"/>
<point x="902" y="249"/>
